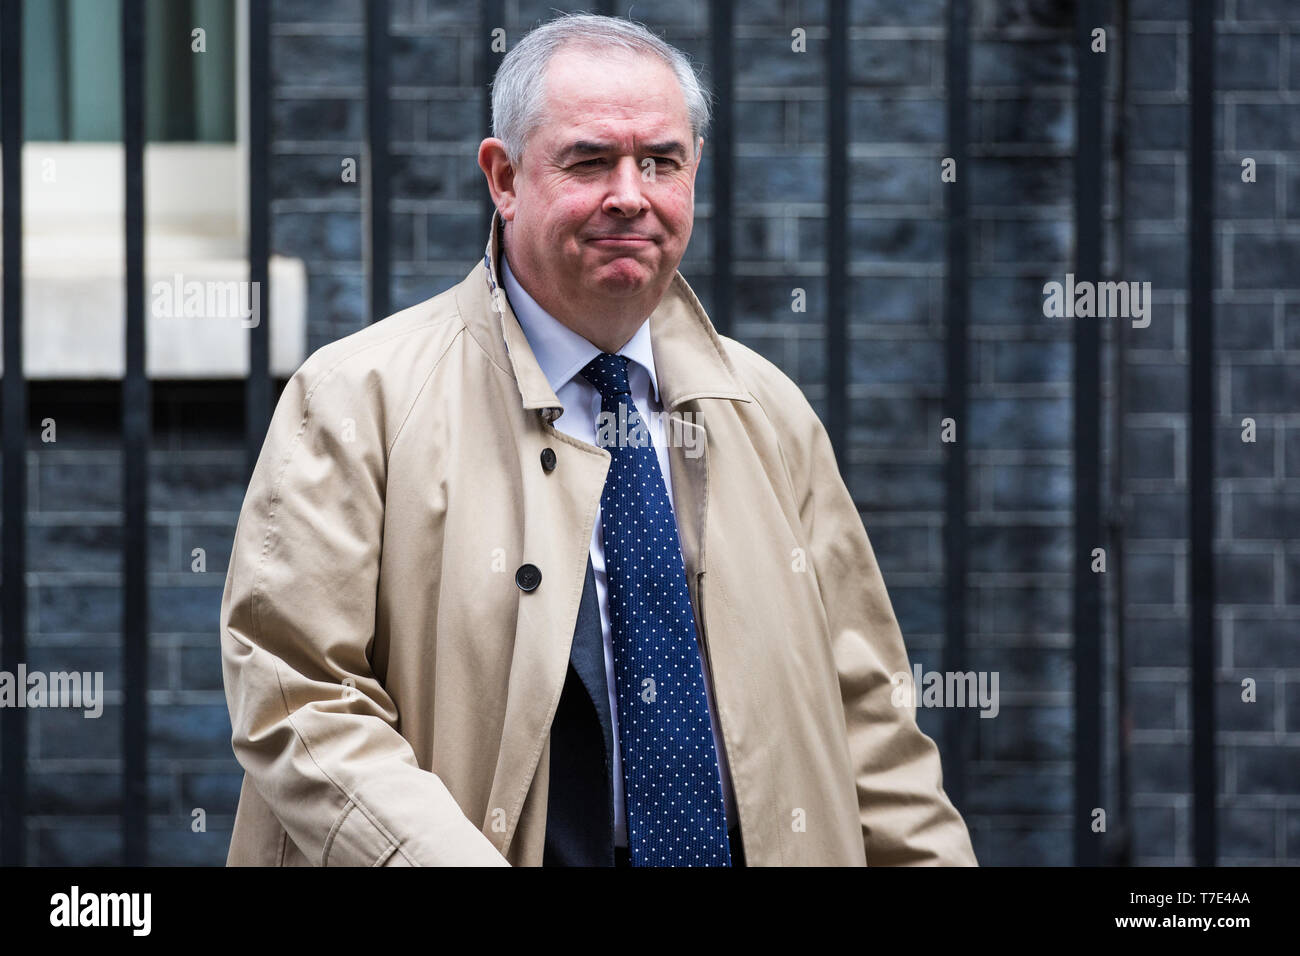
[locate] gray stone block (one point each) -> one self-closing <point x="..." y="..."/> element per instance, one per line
<point x="896" y="13"/>
<point x="1032" y="119"/>
<point x="1244" y="578"/>
<point x="769" y="62"/>
<point x="78" y="844"/>
<point x="1265" y="515"/>
<point x="309" y="59"/>
<point x="1267" y="126"/>
<point x="893" y="62"/>
<point x="427" y="60"/>
<point x="1153" y="60"/>
<point x="1030" y="487"/>
<point x="879" y="119"/>
<point x="1026" y="734"/>
<point x="1260" y="389"/>
<point x="1156" y="515"/>
<point x="189" y="731"/>
<point x="1247" y="833"/>
<point x="173" y="842"/>
<point x="1150" y="452"/>
<point x="896" y="486"/>
<point x="1022" y="63"/>
<point x="1160" y="768"/>
<point x="1271" y="262"/>
<point x="919" y="609"/>
<point x="893" y="422"/>
<point x="1154" y="704"/>
<point x="1149" y="577"/>
<point x="1029" y="362"/>
<point x="1026" y="609"/>
<point x="1154" y="830"/>
<point x="1020" y="181"/>
<point x="895" y="361"/>
<point x="909" y="180"/>
<point x="1015" y="423"/>
<point x="1156" y="641"/>
<point x="76" y="608"/>
<point x="333" y="118"/>
<point x="897" y="241"/>
<point x="1271" y="769"/>
<point x="317" y="11"/>
<point x="192" y="608"/>
<point x="1020" y="548"/>
<point x="1159" y="126"/>
<point x="1152" y="192"/>
<point x="319" y="238"/>
<point x="1232" y="713"/>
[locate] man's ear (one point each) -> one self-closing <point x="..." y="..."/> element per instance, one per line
<point x="500" y="175"/>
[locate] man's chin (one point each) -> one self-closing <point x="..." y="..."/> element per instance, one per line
<point x="624" y="275"/>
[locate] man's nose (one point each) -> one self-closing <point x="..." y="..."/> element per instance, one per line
<point x="625" y="193"/>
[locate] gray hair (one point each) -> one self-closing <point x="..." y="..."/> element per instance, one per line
<point x="518" y="87"/>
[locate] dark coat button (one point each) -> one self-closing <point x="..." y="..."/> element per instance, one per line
<point x="548" y="459"/>
<point x="528" y="577"/>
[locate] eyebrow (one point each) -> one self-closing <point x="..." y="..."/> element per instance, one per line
<point x="586" y="147"/>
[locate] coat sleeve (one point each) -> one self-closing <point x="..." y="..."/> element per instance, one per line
<point x="907" y="818"/>
<point x="312" y="726"/>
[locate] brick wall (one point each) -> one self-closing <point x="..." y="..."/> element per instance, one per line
<point x="1257" y="255"/>
<point x="74" y="555"/>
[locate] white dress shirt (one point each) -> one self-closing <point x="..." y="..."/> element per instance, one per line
<point x="562" y="353"/>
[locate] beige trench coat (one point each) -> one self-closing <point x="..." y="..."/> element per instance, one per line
<point x="391" y="688"/>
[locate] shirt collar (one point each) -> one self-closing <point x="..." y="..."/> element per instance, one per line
<point x="561" y="352"/>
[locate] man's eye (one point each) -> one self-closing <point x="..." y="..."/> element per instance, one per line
<point x="588" y="162"/>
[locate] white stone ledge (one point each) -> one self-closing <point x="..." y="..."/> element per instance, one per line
<point x="74" y="319"/>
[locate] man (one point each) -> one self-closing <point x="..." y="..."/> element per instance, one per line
<point x="544" y="570"/>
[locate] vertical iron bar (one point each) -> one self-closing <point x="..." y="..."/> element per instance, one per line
<point x="493" y="17"/>
<point x="375" y="206"/>
<point x="13" y="646"/>
<point x="136" y="428"/>
<point x="1201" y="382"/>
<point x="837" y="230"/>
<point x="257" y="387"/>
<point x="958" y="731"/>
<point x="723" y="148"/>
<point x="1121" y="853"/>
<point x="1087" y="439"/>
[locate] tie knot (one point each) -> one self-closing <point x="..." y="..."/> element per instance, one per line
<point x="608" y="373"/>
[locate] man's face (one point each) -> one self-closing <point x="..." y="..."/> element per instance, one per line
<point x="604" y="199"/>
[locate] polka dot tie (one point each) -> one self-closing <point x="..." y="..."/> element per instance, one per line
<point x="675" y="810"/>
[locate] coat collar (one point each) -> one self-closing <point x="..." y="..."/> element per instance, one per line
<point x="690" y="360"/>
<point x="561" y="352"/>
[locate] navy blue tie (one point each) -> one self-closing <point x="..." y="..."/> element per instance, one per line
<point x="675" y="810"/>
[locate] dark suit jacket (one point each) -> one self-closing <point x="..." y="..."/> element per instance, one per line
<point x="580" y="807"/>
